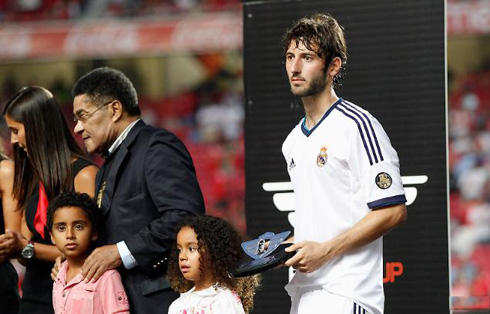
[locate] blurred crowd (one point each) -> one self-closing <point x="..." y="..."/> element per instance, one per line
<point x="208" y="118"/>
<point x="48" y="10"/>
<point x="469" y="163"/>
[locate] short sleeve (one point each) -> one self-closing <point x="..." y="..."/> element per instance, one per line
<point x="228" y="302"/>
<point x="172" y="308"/>
<point x="113" y="296"/>
<point x="176" y="306"/>
<point x="374" y="162"/>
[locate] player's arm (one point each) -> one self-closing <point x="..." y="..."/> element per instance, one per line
<point x="312" y="255"/>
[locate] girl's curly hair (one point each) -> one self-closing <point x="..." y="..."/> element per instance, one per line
<point x="220" y="246"/>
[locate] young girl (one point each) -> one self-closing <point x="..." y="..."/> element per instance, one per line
<point x="207" y="247"/>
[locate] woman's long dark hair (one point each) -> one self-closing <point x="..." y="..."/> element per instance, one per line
<point x="2" y="152"/>
<point x="49" y="142"/>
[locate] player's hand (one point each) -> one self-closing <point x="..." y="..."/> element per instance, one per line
<point x="309" y="256"/>
<point x="57" y="266"/>
<point x="102" y="259"/>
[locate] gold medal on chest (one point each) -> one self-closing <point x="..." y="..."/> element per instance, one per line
<point x="321" y="159"/>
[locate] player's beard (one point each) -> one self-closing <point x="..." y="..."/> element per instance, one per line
<point x="317" y="85"/>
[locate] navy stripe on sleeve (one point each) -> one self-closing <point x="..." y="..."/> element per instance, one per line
<point x="388" y="201"/>
<point x="351" y="105"/>
<point x="360" y="118"/>
<point x="358" y="309"/>
<point x="361" y="133"/>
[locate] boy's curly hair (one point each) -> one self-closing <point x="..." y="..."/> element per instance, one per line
<point x="74" y="199"/>
<point x="219" y="244"/>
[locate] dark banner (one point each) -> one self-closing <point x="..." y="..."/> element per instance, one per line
<point x="396" y="70"/>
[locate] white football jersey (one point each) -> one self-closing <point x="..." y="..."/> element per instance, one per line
<point x="340" y="170"/>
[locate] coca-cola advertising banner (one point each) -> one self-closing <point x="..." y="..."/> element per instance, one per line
<point x="109" y="38"/>
<point x="207" y="32"/>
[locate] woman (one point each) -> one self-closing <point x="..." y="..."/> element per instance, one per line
<point x="47" y="161"/>
<point x="10" y="219"/>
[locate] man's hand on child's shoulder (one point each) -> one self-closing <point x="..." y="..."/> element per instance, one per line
<point x="101" y="259"/>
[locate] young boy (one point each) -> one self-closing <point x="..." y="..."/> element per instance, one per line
<point x="72" y="221"/>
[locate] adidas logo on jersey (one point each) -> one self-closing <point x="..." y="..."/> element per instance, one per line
<point x="291" y="165"/>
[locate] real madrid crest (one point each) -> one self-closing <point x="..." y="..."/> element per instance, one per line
<point x="383" y="180"/>
<point x="321" y="159"/>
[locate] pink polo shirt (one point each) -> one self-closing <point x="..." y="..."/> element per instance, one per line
<point x="105" y="296"/>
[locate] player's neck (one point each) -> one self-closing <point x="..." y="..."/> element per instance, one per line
<point x="317" y="105"/>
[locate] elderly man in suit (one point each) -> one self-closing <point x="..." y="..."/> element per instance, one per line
<point x="145" y="187"/>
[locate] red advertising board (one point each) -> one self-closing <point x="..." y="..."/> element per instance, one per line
<point x="193" y="34"/>
<point x="468" y="17"/>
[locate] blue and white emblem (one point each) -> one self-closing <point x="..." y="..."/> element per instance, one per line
<point x="321" y="159"/>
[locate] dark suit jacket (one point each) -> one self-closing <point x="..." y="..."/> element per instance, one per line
<point x="150" y="186"/>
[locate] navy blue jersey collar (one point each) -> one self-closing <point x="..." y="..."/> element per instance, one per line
<point x="303" y="124"/>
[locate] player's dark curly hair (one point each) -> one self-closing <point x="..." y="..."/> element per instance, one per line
<point x="322" y="30"/>
<point x="75" y="199"/>
<point x="105" y="84"/>
<point x="220" y="246"/>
